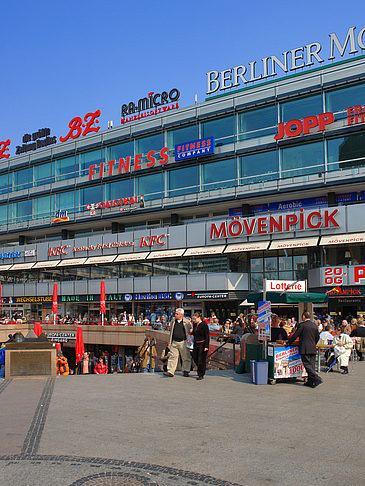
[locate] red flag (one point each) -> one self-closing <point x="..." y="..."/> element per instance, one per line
<point x="102" y="298"/>
<point x="54" y="300"/>
<point x="79" y="348"/>
<point x="38" y="329"/>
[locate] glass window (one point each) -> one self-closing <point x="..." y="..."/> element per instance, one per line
<point x="182" y="181"/>
<point x="4" y="184"/>
<point x="300" y="265"/>
<point x="68" y="200"/>
<point x="285" y="263"/>
<point x="122" y="150"/>
<point x="297" y="109"/>
<point x="217" y="175"/>
<point x="337" y="101"/>
<point x="3" y="213"/>
<point x="154" y="142"/>
<point x="118" y="189"/>
<point x="43" y="206"/>
<point x="222" y="129"/>
<point x="257" y="123"/>
<point x="65" y="168"/>
<point x="105" y="271"/>
<point x="170" y="267"/>
<point x="257" y="265"/>
<point x="257" y="282"/>
<point x="150" y="186"/>
<point x="259" y="167"/>
<point x="136" y="269"/>
<point x="22" y="211"/>
<point x="346" y="152"/>
<point x="22" y="179"/>
<point x="302" y="159"/>
<point x="92" y="194"/>
<point x="76" y="273"/>
<point x="181" y="135"/>
<point x="43" y="174"/>
<point x="214" y="264"/>
<point x="50" y="275"/>
<point x="88" y="158"/>
<point x="271" y="264"/>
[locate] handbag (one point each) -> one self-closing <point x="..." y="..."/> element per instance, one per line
<point x="189" y="342"/>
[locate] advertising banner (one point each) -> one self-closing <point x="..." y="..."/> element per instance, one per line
<point x="195" y="148"/>
<point x="287" y="362"/>
<point x="264" y="320"/>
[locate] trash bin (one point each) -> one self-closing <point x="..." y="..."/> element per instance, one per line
<point x="252" y="370"/>
<point x="261" y="371"/>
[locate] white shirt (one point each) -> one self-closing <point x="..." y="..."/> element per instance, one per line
<point x="325" y="336"/>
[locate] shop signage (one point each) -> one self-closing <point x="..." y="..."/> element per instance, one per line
<point x="78" y="127"/>
<point x="4" y="149"/>
<point x="291" y="60"/>
<point x="286" y="285"/>
<point x="123" y="297"/>
<point x="103" y="246"/>
<point x="152" y="104"/>
<point x="61" y="337"/>
<point x="124" y="166"/>
<point x="39" y="139"/>
<point x="28" y="253"/>
<point x="342" y="275"/>
<point x="31" y="300"/>
<point x="10" y="254"/>
<point x="196" y="148"/>
<point x="61" y="216"/>
<point x="340" y="292"/>
<point x="153" y="240"/>
<point x="207" y="295"/>
<point x="295" y="221"/>
<point x="296" y="127"/>
<point x="124" y="203"/>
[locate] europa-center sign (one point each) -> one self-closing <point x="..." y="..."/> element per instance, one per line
<point x="291" y="60"/>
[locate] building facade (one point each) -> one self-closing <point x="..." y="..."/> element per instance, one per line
<point x="194" y="207"/>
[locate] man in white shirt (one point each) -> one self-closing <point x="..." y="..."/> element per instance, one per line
<point x="326" y="335"/>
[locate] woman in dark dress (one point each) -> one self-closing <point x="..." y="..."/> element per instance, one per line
<point x="201" y="344"/>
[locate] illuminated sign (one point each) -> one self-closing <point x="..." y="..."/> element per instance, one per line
<point x="124" y="165"/>
<point x="61" y="216"/>
<point x="78" y="127"/>
<point x="291" y="60"/>
<point x="124" y="204"/>
<point x="196" y="148"/>
<point x="39" y="139"/>
<point x="283" y="223"/>
<point x="152" y="104"/>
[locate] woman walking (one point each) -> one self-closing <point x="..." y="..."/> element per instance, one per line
<point x="201" y="344"/>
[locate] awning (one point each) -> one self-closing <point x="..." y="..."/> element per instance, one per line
<point x="343" y="239"/>
<point x="205" y="250"/>
<point x="295" y="243"/>
<point x="130" y="257"/>
<point x="100" y="259"/>
<point x="4" y="268"/>
<point x="165" y="254"/>
<point x="289" y="297"/>
<point x="72" y="262"/>
<point x="251" y="246"/>
<point x="22" y="266"/>
<point x="47" y="264"/>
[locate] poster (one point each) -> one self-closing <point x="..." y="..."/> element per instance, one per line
<point x="288" y="363"/>
<point x="264" y="320"/>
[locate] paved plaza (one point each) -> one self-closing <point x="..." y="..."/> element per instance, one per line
<point x="138" y="429"/>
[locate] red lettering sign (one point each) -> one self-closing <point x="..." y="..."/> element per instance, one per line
<point x="76" y="126"/>
<point x="296" y="127"/>
<point x="4" y="147"/>
<point x="355" y="115"/>
<point x="151" y="240"/>
<point x="57" y="250"/>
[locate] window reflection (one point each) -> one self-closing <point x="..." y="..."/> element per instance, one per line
<point x="257" y="123"/>
<point x="304" y="159"/>
<point x="222" y="129"/>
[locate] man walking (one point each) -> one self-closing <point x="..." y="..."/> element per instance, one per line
<point x="180" y="328"/>
<point x="308" y="334"/>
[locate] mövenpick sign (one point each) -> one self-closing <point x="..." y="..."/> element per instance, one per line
<point x="276" y="223"/>
<point x="298" y="58"/>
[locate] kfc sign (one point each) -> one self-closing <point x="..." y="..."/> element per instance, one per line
<point x="283" y="223"/>
<point x="153" y="240"/>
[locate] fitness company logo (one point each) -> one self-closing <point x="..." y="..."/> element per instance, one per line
<point x="304" y="220"/>
<point x="152" y="104"/>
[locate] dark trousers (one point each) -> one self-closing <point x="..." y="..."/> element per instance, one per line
<point x="309" y="363"/>
<point x="200" y="358"/>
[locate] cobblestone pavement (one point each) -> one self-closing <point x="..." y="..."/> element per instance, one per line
<point x="149" y="430"/>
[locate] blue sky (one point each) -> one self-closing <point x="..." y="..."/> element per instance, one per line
<point x="66" y="58"/>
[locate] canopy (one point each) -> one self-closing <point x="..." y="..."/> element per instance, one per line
<point x="289" y="297"/>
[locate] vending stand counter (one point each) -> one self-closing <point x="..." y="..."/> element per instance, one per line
<point x="284" y="362"/>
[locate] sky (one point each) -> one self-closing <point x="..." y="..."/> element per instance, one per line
<point x="63" y="59"/>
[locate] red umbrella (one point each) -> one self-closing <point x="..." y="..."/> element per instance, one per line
<point x="54" y="303"/>
<point x="79" y="349"/>
<point x="38" y="329"/>
<point x="102" y="301"/>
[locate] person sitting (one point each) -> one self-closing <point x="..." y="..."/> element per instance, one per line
<point x="277" y="333"/>
<point x="359" y="335"/>
<point x="342" y="346"/>
<point x="326" y="335"/>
